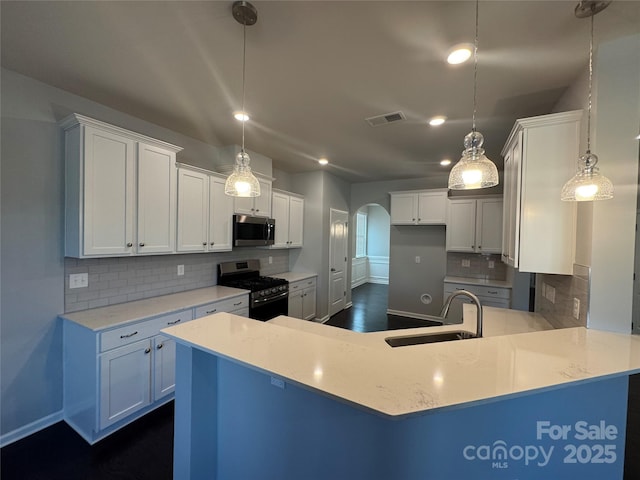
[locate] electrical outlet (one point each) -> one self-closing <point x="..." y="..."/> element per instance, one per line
<point x="544" y="290"/>
<point x="270" y="260"/>
<point x="277" y="382"/>
<point x="492" y="264"/>
<point x="417" y="259"/>
<point x="551" y="294"/>
<point x="180" y="269"/>
<point x="78" y="280"/>
<point x="576" y="308"/>
<point x="466" y="263"/>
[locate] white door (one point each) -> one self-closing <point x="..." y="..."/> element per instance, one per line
<point x="296" y="221"/>
<point x="262" y="204"/>
<point x="461" y="225"/>
<point x="337" y="260"/>
<point x="432" y="208"/>
<point x="193" y="203"/>
<point x="404" y="208"/>
<point x="164" y="368"/>
<point x="220" y="217"/>
<point x="157" y="187"/>
<point x="125" y="381"/>
<point x="489" y="225"/>
<point x="280" y="209"/>
<point x="108" y="193"/>
<point x="309" y="303"/>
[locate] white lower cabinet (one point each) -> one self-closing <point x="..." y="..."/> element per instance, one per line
<point x="489" y="296"/>
<point x="302" y="299"/>
<point x="115" y="375"/>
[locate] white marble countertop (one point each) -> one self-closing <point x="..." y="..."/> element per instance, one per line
<point x="295" y="276"/>
<point x="114" y="315"/>
<point x="478" y="281"/>
<point x="416" y="379"/>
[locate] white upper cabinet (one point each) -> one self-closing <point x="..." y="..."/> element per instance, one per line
<point x="256" y="206"/>
<point x="474" y="225"/>
<point x="120" y="191"/>
<point x="288" y="212"/>
<point x="539" y="229"/>
<point x="421" y="207"/>
<point x="204" y="211"/>
<point x="156" y="199"/>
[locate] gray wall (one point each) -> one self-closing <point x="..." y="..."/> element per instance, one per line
<point x="378" y="231"/>
<point x="408" y="280"/>
<point x="33" y="267"/>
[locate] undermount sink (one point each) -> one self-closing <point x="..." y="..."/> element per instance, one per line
<point x="429" y="338"/>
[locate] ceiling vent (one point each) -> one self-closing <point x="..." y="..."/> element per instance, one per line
<point x="385" y="119"/>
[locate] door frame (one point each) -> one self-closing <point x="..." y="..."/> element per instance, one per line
<point x="332" y="214"/>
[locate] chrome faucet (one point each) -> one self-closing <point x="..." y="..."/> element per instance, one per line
<point x="476" y="300"/>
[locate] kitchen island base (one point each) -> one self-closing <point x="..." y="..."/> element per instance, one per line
<point x="233" y="421"/>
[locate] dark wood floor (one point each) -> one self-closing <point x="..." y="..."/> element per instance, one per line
<point x="369" y="312"/>
<point x="144" y="449"/>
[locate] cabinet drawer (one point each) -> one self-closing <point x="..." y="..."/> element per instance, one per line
<point x="302" y="284"/>
<point x="137" y="331"/>
<point x="228" y="305"/>
<point x="479" y="290"/>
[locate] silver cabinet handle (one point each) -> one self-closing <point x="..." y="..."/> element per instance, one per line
<point x="204" y="244"/>
<point x="147" y="350"/>
<point x="129" y="244"/>
<point x="160" y="345"/>
<point x="174" y="322"/>
<point x="333" y="269"/>
<point x="211" y="311"/>
<point x="212" y="243"/>
<point x="129" y="335"/>
<point x="309" y="283"/>
<point x="479" y="247"/>
<point x="492" y="292"/>
<point x="419" y="219"/>
<point x="141" y="244"/>
<point x="236" y="304"/>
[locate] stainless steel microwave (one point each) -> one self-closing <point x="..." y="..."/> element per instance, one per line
<point x="253" y="231"/>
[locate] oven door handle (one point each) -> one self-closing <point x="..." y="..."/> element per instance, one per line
<point x="270" y="299"/>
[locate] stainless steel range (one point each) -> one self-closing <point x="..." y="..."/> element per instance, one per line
<point x="269" y="296"/>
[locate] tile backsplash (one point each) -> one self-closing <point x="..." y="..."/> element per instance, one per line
<point x="124" y="279"/>
<point x="555" y="296"/>
<point x="478" y="266"/>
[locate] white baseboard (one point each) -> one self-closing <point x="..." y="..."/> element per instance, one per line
<point x="378" y="280"/>
<point x="348" y="305"/>
<point x="359" y="282"/>
<point x="324" y="319"/>
<point x="30" y="428"/>
<point x="400" y="313"/>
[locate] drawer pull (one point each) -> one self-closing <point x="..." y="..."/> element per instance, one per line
<point x="130" y="335"/>
<point x="212" y="311"/>
<point x="309" y="283"/>
<point x="147" y="350"/>
<point x="236" y="304"/>
<point x="174" y="322"/>
<point x="492" y="292"/>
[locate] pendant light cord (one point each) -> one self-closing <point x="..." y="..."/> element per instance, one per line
<point x="590" y="86"/>
<point x="475" y="70"/>
<point x="244" y="57"/>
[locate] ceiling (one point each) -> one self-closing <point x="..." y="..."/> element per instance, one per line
<point x="315" y="70"/>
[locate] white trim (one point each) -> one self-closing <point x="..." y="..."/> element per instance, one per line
<point x="378" y="280"/>
<point x="400" y="313"/>
<point x="30" y="428"/>
<point x="378" y="270"/>
<point x="348" y="305"/>
<point x="324" y="319"/>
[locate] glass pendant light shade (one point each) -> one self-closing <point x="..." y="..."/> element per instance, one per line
<point x="474" y="169"/>
<point x="587" y="184"/>
<point x="242" y="182"/>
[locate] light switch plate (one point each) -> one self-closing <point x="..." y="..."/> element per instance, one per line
<point x="417" y="259"/>
<point x="551" y="294"/>
<point x="576" y="308"/>
<point x="180" y="269"/>
<point x="492" y="264"/>
<point x="466" y="263"/>
<point x="78" y="280"/>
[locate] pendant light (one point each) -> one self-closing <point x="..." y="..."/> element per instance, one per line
<point x="242" y="182"/>
<point x="474" y="169"/>
<point x="588" y="184"/>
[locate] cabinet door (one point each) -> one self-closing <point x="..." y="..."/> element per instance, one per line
<point x="125" y="381"/>
<point x="164" y="366"/>
<point x="432" y="208"/>
<point x="193" y="204"/>
<point x="489" y="225"/>
<point x="511" y="196"/>
<point x="262" y="204"/>
<point x="461" y="225"/>
<point x="156" y="199"/>
<point x="309" y="303"/>
<point x="295" y="303"/>
<point x="220" y="217"/>
<point x="404" y="207"/>
<point x="280" y="209"/>
<point x="108" y="193"/>
<point x="296" y="221"/>
<point x="243" y="205"/>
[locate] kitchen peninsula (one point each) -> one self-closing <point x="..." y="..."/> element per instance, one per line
<point x="273" y="401"/>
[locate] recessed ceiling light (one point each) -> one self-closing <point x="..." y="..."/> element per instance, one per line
<point x="241" y="116"/>
<point x="323" y="161"/>
<point x="460" y="53"/>
<point x="437" y="121"/>
<point x="445" y="162"/>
